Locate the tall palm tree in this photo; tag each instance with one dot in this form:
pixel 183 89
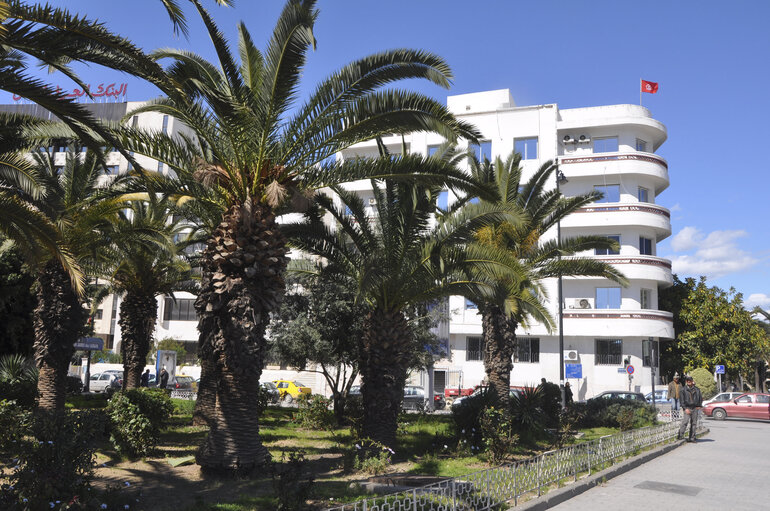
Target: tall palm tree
pixel 399 257
pixel 253 150
pixel 68 207
pixel 517 302
pixel 143 260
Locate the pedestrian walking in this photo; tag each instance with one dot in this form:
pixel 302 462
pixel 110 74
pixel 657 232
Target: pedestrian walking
pixel 674 392
pixel 692 402
pixel 144 380
pixel 163 378
pixel 567 394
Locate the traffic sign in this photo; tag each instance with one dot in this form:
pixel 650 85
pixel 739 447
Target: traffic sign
pixel 574 370
pixel 89 344
pixel 720 370
pixel 630 369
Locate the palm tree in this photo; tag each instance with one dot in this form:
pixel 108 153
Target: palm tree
pixel 398 257
pixel 516 302
pixel 56 216
pixel 141 262
pixel 254 151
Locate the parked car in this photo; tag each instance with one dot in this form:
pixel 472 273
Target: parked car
pixel 291 390
pixel 747 406
pixel 661 396
pixel 414 399
pixel 514 391
pixel 102 382
pixel 182 382
pixel 273 395
pixel 620 394
pixel 723 397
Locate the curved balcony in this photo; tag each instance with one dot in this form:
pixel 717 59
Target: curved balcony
pixel 619 323
pixel 651 166
pixel 643 267
pixel 633 214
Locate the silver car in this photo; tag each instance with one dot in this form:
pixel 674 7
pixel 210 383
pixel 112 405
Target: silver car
pixel 100 382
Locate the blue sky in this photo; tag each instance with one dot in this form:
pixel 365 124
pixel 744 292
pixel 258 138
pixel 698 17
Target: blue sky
pixel 708 57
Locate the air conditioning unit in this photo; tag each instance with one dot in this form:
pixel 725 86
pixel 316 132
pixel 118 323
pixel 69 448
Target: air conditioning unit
pixel 568 140
pixel 571 355
pixel 582 303
pixel 372 201
pixel 584 139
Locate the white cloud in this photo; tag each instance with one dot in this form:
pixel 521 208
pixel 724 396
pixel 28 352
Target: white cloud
pixel 716 253
pixel 758 300
pixel 675 207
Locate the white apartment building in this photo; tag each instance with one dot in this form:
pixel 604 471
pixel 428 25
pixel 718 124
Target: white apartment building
pixel 606 148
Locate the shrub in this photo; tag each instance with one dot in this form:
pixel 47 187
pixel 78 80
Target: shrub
pixel 354 415
pixel 615 413
pixel 84 401
pixel 18 380
pixel 313 412
pixel 705 382
pixel 292 488
pixel 14 421
pixel 550 403
pixel 527 410
pixel 467 419
pixel 136 417
pixel 74 385
pixel 369 456
pixel 497 430
pixel 24 393
pixel 55 460
pixel 183 406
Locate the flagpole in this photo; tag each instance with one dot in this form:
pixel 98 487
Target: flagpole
pixel 640 92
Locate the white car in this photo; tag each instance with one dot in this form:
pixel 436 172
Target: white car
pixel 99 382
pixel 723 397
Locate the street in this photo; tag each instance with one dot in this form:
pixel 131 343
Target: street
pixel 727 469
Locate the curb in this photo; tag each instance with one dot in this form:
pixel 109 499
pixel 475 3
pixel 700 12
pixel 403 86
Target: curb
pixel 556 497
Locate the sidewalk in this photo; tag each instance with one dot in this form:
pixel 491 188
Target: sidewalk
pixel 728 469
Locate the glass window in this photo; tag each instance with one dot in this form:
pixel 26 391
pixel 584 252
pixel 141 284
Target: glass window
pixel 443 200
pixel 609 351
pixel 526 147
pixel 649 349
pixel 183 309
pixel 744 399
pixel 606 145
pixel 641 145
pixel 94 377
pixel 645 298
pixel 111 170
pixel 99 314
pixel 469 305
pixel 58 170
pixel 607 297
pixel 135 121
pixel 165 124
pixel 763 399
pixel 433 149
pixel 483 150
pixel 160 166
pixel 610 193
pixel 645 246
pixel 474 348
pixel 527 350
pixel 643 195
pixel 131 153
pixel 609 251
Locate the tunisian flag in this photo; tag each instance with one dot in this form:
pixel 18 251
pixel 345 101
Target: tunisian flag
pixel 649 87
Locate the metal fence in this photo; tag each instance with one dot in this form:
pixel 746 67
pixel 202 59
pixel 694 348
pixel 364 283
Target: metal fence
pixel 500 487
pixel 184 394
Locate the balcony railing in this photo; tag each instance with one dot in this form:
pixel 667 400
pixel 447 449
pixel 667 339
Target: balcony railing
pixel 615 157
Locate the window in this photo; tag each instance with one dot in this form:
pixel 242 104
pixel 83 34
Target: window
pixel 469 305
pixel 135 121
pixel 763 399
pixel 526 147
pixel 99 314
pixel 609 351
pixel 744 399
pixel 483 150
pixel 610 193
pixel 433 149
pixel 641 145
pixel 609 251
pixel 183 309
pixel 111 170
pixel 645 246
pixel 649 353
pixel 474 348
pixel 643 195
pixel 165 124
pixel 130 153
pixel 606 145
pixel 160 167
pixel 443 200
pixel 527 350
pixel 607 297
pixel 645 298
pixel 58 170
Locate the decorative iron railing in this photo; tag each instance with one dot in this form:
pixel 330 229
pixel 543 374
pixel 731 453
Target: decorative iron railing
pixel 503 486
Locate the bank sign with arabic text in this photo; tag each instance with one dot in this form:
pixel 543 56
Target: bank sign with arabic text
pixel 111 91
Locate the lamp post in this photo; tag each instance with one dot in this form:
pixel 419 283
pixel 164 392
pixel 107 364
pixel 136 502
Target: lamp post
pixel 559 180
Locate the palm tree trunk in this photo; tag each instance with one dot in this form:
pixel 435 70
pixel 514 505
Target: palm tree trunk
pixel 242 283
pixel 385 357
pixel 138 314
pixel 59 321
pixel 499 333
pixel 207 394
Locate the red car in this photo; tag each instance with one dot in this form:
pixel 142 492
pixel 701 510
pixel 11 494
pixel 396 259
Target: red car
pixel 747 406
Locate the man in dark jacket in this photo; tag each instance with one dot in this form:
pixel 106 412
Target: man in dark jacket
pixel 692 402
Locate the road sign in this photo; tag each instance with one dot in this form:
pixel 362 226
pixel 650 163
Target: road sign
pixel 720 370
pixel 630 369
pixel 89 344
pixel 574 370
pixel 621 370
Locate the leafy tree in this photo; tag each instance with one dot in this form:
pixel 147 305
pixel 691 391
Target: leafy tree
pixel 255 153
pixel 671 299
pixel 717 329
pixel 171 344
pixel 17 301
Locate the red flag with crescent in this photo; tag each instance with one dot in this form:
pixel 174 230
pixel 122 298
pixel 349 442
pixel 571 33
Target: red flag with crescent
pixel 649 87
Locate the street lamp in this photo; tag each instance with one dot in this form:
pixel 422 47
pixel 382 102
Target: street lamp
pixel 560 179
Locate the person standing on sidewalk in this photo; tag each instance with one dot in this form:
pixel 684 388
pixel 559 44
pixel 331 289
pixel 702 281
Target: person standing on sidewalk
pixel 692 402
pixel 675 392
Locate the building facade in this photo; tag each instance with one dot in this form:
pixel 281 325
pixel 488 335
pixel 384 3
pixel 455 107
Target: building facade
pixel 607 327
